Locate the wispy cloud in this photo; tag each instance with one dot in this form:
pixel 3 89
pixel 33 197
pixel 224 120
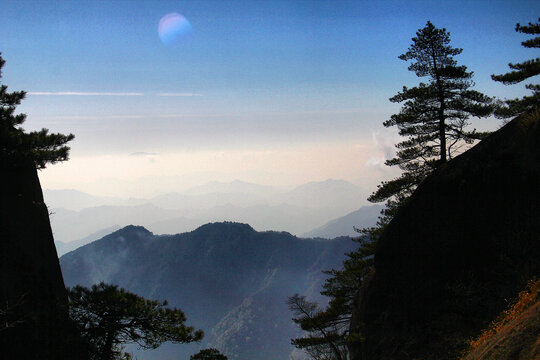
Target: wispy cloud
pixel 83 93
pixel 143 153
pixel 179 94
pixel 77 93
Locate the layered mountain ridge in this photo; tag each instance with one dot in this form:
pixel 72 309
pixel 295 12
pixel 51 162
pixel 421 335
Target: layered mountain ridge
pixel 298 210
pixel 230 280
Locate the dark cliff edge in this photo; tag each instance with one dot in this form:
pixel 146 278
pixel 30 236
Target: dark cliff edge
pixel 466 242
pixel 33 299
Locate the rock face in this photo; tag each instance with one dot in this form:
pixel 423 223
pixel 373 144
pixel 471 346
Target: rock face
pixel 33 299
pixel 468 239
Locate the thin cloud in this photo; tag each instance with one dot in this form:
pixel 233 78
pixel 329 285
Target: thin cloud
pixel 143 153
pixel 77 93
pixel 179 94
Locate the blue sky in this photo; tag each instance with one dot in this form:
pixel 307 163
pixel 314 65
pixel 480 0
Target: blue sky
pixel 252 77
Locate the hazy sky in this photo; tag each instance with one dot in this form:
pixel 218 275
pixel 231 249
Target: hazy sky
pixel 273 92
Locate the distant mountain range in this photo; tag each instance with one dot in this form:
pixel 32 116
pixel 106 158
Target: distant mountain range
pixel 63 248
pixel 236 186
pixel 364 217
pixel 231 281
pixel 297 211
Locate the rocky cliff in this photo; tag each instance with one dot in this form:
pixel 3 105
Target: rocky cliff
pixel 467 240
pixel 33 299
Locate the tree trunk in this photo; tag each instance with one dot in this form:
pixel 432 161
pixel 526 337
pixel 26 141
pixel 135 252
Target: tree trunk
pixel 442 133
pixel 107 353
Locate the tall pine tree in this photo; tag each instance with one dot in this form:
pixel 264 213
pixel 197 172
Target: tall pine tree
pixel 434 120
pixel 522 71
pixel 434 116
pixel 17 146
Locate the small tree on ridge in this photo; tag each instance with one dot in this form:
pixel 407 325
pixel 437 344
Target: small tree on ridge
pixel 434 116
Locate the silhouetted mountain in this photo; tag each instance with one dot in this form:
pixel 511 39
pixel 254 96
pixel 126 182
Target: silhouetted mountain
pixel 293 219
pixel 466 242
pixel 231 280
pixel 364 217
pixel 297 211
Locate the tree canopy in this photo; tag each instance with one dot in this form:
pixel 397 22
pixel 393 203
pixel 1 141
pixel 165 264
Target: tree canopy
pixel 108 317
pixel 522 71
pixel 434 121
pixel 326 330
pixel 208 354
pixel 17 146
pixel 434 116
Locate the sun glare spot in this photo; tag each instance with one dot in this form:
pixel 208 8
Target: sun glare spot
pixel 172 27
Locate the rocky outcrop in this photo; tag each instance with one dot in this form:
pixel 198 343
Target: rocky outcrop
pixel 467 240
pixel 33 300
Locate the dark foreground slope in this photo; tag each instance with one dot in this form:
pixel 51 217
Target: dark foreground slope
pixel 33 300
pixel 468 239
pixel 230 280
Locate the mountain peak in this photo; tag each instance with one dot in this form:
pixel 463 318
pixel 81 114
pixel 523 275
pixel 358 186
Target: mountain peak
pixel 225 227
pixel 139 231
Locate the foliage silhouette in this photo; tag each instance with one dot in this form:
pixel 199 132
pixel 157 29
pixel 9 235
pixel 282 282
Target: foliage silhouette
pixel 17 146
pixel 434 119
pixel 326 338
pixel 208 354
pixel 109 317
pixel 434 116
pixel 522 71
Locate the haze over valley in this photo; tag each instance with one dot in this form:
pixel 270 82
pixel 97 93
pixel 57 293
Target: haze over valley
pixel 231 280
pixel 269 180
pixel 303 210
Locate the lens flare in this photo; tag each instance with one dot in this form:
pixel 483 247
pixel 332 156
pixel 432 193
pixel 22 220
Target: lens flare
pixel 172 27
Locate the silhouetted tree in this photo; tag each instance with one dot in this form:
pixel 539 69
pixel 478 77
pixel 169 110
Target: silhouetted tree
pixel 522 71
pixel 326 331
pixel 109 317
pixel 434 119
pixel 434 116
pixel 208 354
pixel 341 287
pixel 17 146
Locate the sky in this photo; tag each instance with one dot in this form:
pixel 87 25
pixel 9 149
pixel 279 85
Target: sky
pixel 272 92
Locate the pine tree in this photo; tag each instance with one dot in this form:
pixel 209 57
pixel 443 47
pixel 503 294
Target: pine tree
pixel 18 147
pixel 326 331
pixel 208 354
pixel 522 71
pixel 434 117
pixel 109 317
